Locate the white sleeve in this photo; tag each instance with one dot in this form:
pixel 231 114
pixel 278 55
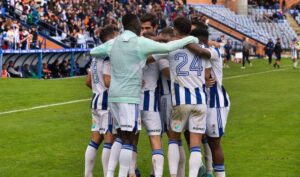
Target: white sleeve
pixel 163 63
pixel 215 53
pixel 207 64
pixel 106 67
pixel 160 56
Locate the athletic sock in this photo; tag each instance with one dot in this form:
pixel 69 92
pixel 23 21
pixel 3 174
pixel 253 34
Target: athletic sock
pixel 195 161
pixel 208 157
pixel 105 157
pixel 90 156
pixel 181 165
pixel 158 162
pixel 125 159
pixel 133 162
pixel 173 157
pixel 219 170
pixel 114 157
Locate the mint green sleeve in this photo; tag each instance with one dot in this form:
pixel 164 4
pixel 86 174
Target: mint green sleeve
pixel 147 47
pixel 102 50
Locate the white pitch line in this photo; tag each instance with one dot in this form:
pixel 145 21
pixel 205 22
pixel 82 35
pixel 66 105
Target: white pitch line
pixel 44 106
pixel 82 100
pixel 252 74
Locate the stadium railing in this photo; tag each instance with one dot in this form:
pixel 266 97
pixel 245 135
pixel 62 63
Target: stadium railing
pixel 37 56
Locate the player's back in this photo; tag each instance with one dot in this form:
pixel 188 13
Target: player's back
pixel 99 100
pixel 187 77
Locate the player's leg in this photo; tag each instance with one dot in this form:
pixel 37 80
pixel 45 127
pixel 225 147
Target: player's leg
pixel 247 58
pixel 128 118
pixel 107 131
pixel 207 155
pixel 153 124
pixel 244 58
pixel 216 122
pixel 270 59
pixel 91 150
pixel 115 154
pixel 182 160
pixel 197 125
pixel 133 165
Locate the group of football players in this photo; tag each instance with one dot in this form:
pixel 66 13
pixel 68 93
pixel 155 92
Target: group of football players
pixel 170 82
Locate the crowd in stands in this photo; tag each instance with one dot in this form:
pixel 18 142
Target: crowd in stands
pixel 54 70
pixel 295 12
pixel 267 4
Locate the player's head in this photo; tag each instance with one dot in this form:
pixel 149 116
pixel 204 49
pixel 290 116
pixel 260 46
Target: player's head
pixel 202 34
pixel 148 23
pixel 270 40
pixel 132 23
pixel 198 24
pixel 149 35
pixel 182 26
pixel 108 32
pixel 166 34
pixel 278 39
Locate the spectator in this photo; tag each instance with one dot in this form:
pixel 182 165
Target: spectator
pixel 46 73
pixel 4 73
pixel 269 50
pixel 54 68
pixel 28 73
pixel 246 52
pixel 13 72
pixel 64 69
pixel 277 51
pixel 228 51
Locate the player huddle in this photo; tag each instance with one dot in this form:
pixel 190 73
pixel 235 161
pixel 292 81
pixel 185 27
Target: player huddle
pixel 170 82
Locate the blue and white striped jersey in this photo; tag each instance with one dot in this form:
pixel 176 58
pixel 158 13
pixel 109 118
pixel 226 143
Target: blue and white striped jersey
pixel 100 92
pixel 150 95
pixel 164 83
pixel 187 76
pixel 217 95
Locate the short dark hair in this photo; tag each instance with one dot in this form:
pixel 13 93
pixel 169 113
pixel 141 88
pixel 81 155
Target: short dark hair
pixel 107 31
pixel 149 18
pixel 167 31
pixel 182 25
pixel 129 21
pixel 199 24
pixel 149 34
pixel 200 33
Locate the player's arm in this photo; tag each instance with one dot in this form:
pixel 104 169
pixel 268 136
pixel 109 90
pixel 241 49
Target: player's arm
pixel 102 50
pixel 106 79
pixel 164 67
pixel 197 50
pixel 214 44
pixel 148 46
pixel 88 80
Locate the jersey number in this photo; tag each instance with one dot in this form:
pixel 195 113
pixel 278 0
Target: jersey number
pixel 196 65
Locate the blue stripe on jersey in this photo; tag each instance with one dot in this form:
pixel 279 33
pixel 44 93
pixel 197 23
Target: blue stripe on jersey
pixel 187 94
pixel 177 94
pixel 93 97
pixel 226 102
pixel 161 87
pixel 156 99
pixel 217 98
pixel 212 94
pixel 96 101
pixel 198 96
pixel 104 101
pixel 146 100
pixel 220 124
pixel 218 51
pixel 169 85
pixel 204 90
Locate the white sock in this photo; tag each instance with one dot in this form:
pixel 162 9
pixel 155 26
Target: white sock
pixel 208 157
pixel 173 157
pixel 181 165
pixel 125 159
pixel 105 157
pixel 90 156
pixel 133 162
pixel 158 162
pixel 219 170
pixel 114 157
pixel 195 161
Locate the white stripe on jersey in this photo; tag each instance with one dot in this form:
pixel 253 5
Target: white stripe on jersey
pixel 182 95
pixel 100 94
pixel 217 95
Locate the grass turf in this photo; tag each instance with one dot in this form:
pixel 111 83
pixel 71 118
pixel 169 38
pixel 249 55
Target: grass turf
pixel 261 135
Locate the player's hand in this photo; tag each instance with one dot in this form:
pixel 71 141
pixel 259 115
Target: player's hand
pixel 210 82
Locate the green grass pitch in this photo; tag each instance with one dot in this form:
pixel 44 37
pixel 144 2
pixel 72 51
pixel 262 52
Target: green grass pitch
pixel 261 140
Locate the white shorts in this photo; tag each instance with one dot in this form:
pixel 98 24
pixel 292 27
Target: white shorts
pixel 191 116
pixel 152 122
pixel 127 116
pixel 216 121
pixel 102 121
pixel 165 110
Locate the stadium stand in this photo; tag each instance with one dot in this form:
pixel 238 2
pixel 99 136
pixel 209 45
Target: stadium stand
pixel 261 31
